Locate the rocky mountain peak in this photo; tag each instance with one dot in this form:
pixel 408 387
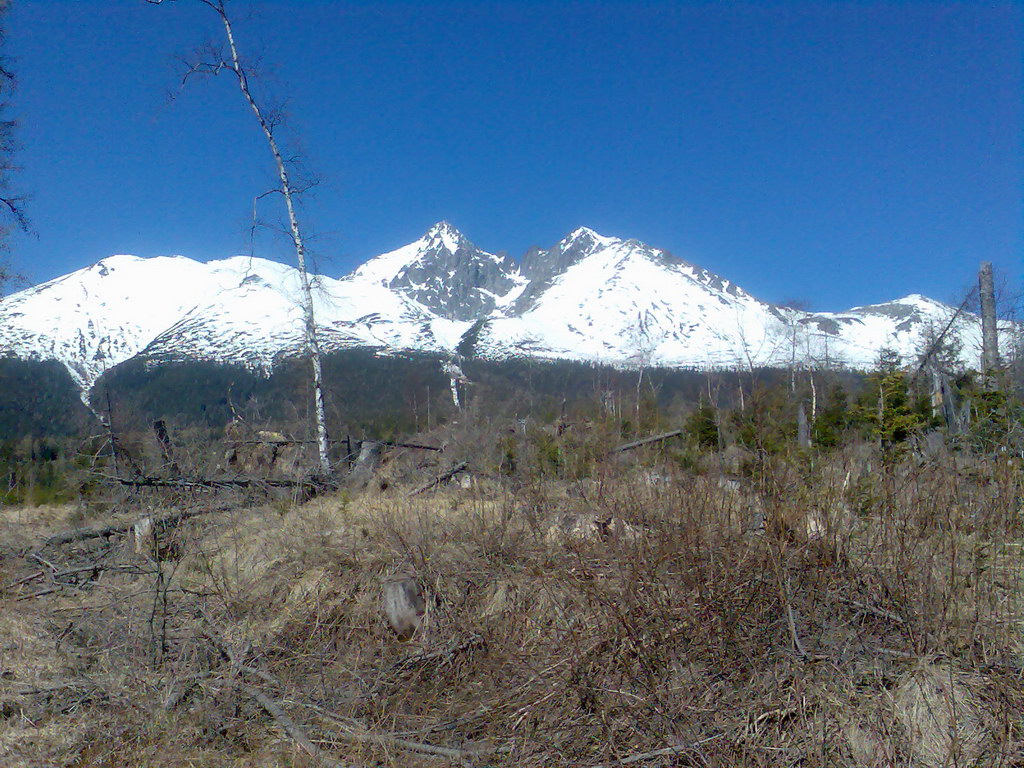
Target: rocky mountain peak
pixel 446 273
pixel 444 235
pixel 541 266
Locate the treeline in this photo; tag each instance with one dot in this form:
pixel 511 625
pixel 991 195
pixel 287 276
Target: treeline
pixel 890 406
pixel 48 436
pixel 43 423
pixel 387 395
pixel 364 393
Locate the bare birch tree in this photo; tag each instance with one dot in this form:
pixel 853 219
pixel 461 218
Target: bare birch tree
pixel 214 62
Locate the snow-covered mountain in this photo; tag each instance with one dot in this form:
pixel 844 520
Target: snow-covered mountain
pixel 239 310
pixel 588 297
pixel 907 325
pixel 260 319
pixel 611 300
pixel 447 274
pixel 104 314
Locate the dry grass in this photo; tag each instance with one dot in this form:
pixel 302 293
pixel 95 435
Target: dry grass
pixel 814 616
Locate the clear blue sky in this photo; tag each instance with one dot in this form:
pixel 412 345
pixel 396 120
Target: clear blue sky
pixel 839 153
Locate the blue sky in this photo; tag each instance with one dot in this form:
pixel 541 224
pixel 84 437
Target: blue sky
pixel 840 153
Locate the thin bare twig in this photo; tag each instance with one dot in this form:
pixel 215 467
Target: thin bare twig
pixel 874 611
pixel 295 733
pixel 641 757
pixel 797 644
pixel 40 593
pixel 22 580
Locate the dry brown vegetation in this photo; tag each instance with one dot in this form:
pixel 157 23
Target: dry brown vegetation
pixel 812 610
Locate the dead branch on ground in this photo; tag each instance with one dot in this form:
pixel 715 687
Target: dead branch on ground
pixel 440 479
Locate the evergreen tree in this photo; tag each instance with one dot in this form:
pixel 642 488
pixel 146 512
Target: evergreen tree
pixel 833 419
pixel 702 426
pixel 996 414
pixel 886 407
pixel 768 423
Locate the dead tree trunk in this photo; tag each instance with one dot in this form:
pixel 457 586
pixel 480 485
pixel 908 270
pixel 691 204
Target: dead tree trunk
pixel 164 440
pixel 989 336
pixel 803 428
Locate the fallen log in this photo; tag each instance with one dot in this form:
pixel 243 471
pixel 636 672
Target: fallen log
pixel 211 483
pixel 388 443
pixel 83 534
pixel 417 446
pixel 646 441
pixel 442 478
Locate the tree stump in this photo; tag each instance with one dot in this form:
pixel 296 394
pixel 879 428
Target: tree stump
pixel 366 463
pixel 404 605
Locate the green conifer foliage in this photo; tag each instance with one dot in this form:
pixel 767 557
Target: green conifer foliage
pixel 833 419
pixel 702 427
pixel 886 407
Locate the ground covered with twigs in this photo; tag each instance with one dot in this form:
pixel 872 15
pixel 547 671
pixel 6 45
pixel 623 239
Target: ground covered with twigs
pixel 827 610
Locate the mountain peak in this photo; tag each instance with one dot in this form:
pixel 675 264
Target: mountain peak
pixel 584 239
pixel 445 234
pixel 446 273
pixel 586 233
pixel 443 226
pixel 542 265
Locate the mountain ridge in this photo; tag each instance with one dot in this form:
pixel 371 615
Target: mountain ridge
pixel 589 297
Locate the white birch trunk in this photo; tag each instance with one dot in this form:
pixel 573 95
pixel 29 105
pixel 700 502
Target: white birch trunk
pixel 455 393
pixel 814 396
pixel 312 341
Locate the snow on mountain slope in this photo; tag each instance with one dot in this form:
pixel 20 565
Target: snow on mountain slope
pixel 592 297
pixel 620 301
pixel 447 274
pixel 261 320
pixel 906 325
pixel 104 314
pixel 589 297
pixel 240 309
